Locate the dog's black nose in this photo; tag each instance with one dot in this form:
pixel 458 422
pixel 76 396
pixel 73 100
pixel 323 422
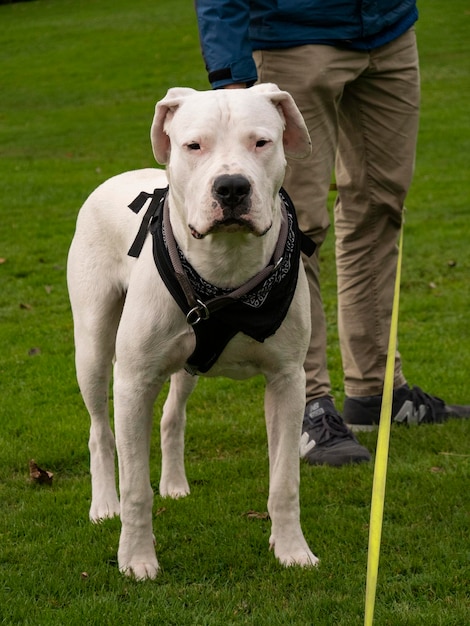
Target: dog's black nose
pixel 232 191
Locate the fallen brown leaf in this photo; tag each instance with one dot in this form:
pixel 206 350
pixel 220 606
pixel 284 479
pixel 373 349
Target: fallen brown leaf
pixel 38 475
pixel 257 515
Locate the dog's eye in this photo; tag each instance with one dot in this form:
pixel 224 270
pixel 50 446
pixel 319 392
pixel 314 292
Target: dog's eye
pixel 262 142
pixel 194 146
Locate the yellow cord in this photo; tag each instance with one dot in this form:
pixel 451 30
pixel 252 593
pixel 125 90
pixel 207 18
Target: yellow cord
pixel 381 455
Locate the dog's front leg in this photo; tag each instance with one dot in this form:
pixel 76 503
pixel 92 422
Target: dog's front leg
pixel 133 400
pixel 284 406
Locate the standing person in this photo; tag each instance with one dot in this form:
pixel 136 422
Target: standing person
pixel 353 70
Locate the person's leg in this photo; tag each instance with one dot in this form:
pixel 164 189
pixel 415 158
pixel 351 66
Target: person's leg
pixel 301 71
pixel 378 121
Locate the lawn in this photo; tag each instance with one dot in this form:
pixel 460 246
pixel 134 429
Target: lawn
pixel 78 84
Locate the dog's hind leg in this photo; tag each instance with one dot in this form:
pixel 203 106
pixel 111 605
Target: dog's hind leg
pixel 96 311
pixel 173 480
pixel 284 407
pixel 94 356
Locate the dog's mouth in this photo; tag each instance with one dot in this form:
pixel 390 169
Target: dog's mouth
pixel 231 225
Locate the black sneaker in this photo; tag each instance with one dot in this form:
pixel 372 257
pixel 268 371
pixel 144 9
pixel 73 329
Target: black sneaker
pixel 325 438
pixel 410 406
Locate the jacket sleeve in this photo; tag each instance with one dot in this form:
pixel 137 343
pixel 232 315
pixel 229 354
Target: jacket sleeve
pixel 223 31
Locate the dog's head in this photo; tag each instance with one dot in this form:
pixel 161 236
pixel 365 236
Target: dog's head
pixel 224 152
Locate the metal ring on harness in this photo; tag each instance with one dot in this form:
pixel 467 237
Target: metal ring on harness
pixel 198 313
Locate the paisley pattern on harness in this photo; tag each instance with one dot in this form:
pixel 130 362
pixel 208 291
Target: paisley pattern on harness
pixel 255 298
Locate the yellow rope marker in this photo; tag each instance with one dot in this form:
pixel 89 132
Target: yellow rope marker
pixel 381 455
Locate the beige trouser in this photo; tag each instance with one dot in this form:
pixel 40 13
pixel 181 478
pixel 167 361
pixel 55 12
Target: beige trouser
pixel 361 109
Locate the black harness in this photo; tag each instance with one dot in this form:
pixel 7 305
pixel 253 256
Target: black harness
pixel 256 308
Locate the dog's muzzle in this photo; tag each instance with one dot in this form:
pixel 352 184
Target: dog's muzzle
pixel 233 193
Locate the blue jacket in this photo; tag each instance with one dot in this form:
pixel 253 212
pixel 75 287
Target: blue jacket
pixel 231 29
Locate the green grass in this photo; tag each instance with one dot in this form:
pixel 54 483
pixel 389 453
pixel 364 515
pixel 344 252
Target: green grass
pixel 78 83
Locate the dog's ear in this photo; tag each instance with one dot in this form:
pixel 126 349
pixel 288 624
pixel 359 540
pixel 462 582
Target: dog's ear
pixel 296 138
pixel 164 111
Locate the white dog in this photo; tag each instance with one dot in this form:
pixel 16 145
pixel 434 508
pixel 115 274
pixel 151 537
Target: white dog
pixel 225 227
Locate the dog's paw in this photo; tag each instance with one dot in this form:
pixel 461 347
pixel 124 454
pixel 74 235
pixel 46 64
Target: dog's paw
pixel 136 554
pixel 173 489
pixel 144 570
pixel 304 558
pixel 296 553
pixel 106 509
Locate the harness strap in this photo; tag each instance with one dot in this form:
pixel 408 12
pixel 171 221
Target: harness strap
pixel 175 258
pixel 135 206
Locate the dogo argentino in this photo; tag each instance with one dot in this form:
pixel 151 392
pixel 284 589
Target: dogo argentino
pixel 231 245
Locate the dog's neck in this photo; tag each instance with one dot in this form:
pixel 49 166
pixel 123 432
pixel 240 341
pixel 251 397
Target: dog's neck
pixel 227 260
